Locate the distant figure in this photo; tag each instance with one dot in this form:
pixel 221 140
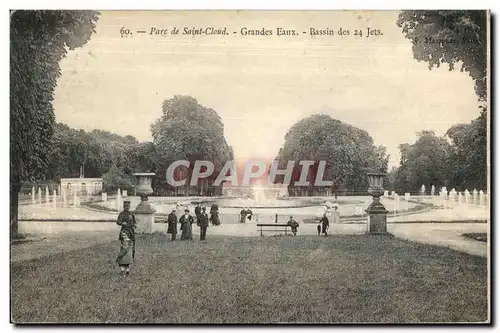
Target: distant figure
pixel 245 214
pixel 203 223
pixel 172 224
pixel 125 256
pixel 318 227
pixel 249 214
pixel 197 212
pixel 126 220
pixel 214 215
pixel 276 218
pixel 325 224
pixel 186 226
pixel 336 215
pixel 294 225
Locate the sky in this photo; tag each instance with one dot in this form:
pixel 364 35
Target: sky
pixel 260 85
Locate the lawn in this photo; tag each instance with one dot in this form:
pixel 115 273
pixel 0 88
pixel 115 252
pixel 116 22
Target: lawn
pixel 346 279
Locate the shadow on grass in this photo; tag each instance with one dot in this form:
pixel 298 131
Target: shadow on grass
pixel 254 280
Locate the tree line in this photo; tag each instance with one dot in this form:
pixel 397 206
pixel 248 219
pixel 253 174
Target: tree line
pixel 455 160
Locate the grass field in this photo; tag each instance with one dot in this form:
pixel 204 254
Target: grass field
pixel 254 280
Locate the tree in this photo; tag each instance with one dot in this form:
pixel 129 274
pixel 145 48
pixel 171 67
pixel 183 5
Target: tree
pixel 425 162
pixel 190 131
pixel 38 41
pixel 469 153
pixel 348 151
pixel 450 36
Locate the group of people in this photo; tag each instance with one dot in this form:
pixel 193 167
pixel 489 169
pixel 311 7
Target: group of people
pixel 187 220
pixel 126 220
pixel 245 214
pixel 324 223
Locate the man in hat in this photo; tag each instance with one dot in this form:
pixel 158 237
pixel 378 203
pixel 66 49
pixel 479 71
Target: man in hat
pixel 172 224
pixel 203 223
pixel 186 226
pixel 126 220
pixel 325 224
pixel 197 212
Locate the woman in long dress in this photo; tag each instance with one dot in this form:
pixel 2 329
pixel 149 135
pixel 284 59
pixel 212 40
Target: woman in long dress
pixel 186 226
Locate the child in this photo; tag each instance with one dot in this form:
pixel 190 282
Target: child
pixel 318 227
pixel 125 258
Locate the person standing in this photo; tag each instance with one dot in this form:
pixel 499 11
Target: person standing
pixel 214 214
pixel 125 256
pixel 249 214
pixel 172 224
pixel 126 220
pixel 186 226
pixel 336 215
pixel 243 215
pixel 203 224
pixel 325 224
pixel 197 212
pixel 293 225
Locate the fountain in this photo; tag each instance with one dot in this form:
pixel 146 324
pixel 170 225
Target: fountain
pixel 118 201
pixel 39 195
pixel 33 198
pixel 47 198
pixel 377 214
pixel 54 199
pixel 64 197
pixel 422 190
pixel 467 196
pixel 433 190
pixel 144 212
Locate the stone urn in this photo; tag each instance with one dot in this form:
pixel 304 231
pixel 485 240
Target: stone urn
pixel 377 214
pixel 144 212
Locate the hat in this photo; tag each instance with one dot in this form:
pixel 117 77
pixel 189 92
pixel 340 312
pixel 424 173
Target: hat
pixel 203 208
pixel 186 210
pixel 127 202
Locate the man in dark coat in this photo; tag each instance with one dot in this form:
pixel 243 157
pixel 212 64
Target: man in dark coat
pixel 126 220
pixel 172 224
pixel 197 212
pixel 325 224
pixel 203 224
pixel 214 214
pixel 293 225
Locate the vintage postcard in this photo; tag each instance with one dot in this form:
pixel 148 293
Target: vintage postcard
pixel 250 167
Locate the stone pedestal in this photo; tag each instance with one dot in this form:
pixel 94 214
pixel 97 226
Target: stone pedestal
pixel 145 217
pixel 377 217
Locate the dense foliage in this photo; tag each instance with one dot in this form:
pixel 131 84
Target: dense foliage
pixel 451 37
pixel 457 160
pixel 38 41
pixel 349 153
pixel 189 131
pixel 460 158
pixel 101 153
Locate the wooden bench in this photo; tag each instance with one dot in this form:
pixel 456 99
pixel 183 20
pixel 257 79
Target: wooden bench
pixel 275 227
